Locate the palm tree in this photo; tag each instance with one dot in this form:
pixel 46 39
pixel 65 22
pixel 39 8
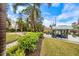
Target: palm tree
pixel 40 27
pixel 20 24
pixel 32 11
pixel 2 28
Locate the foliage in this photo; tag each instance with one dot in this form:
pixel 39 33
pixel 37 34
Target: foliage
pixel 47 31
pixel 20 24
pixel 15 51
pixel 40 27
pixel 12 30
pixel 33 12
pixel 19 52
pixel 11 50
pixel 29 41
pixel 26 42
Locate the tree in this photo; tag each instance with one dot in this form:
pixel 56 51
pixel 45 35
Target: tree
pixel 20 24
pixel 32 11
pixel 40 27
pixel 2 28
pixel 34 14
pixel 8 23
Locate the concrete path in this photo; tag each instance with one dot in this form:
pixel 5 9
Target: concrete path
pixel 11 44
pixel 18 33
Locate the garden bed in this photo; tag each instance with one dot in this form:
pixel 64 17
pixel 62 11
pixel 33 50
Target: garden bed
pixel 29 44
pixel 38 50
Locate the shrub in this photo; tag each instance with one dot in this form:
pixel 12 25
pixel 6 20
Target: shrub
pixel 12 30
pixel 11 50
pixel 19 52
pixel 29 41
pixel 15 51
pixel 40 35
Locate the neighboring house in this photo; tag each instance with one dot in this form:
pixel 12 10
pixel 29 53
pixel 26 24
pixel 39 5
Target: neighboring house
pixel 63 28
pixel 75 23
pixel 76 27
pixel 61 31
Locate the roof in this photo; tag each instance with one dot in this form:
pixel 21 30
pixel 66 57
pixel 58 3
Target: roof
pixel 63 27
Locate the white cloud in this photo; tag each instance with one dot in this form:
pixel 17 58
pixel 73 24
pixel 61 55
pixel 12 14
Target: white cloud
pixel 69 11
pixel 55 4
pixel 65 23
pixel 70 14
pixel 47 22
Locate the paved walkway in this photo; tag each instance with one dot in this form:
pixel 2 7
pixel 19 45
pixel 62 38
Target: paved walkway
pixel 18 33
pixel 11 44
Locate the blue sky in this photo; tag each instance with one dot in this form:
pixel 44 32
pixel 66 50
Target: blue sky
pixel 64 13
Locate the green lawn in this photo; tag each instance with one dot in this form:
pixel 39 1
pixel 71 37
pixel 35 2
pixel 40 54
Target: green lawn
pixel 11 37
pixel 51 47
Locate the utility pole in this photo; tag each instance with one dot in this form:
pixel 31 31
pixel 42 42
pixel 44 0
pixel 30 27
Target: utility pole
pixel 55 21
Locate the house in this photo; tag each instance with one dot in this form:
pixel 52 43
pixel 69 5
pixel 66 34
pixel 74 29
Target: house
pixel 76 27
pixel 61 30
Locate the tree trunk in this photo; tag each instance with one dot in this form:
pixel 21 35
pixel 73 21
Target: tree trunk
pixel 2 29
pixel 21 28
pixel 35 18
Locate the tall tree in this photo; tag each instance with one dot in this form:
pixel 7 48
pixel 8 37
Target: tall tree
pixel 32 11
pixel 20 24
pixel 2 28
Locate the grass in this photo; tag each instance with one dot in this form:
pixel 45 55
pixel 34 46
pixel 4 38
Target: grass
pixel 51 47
pixel 11 37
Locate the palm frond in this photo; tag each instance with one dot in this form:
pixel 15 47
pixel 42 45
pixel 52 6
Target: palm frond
pixel 27 10
pixel 15 5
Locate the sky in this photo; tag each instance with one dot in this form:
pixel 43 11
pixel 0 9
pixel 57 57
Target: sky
pixel 63 13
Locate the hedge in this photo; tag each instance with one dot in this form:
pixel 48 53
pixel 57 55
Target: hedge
pixel 26 42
